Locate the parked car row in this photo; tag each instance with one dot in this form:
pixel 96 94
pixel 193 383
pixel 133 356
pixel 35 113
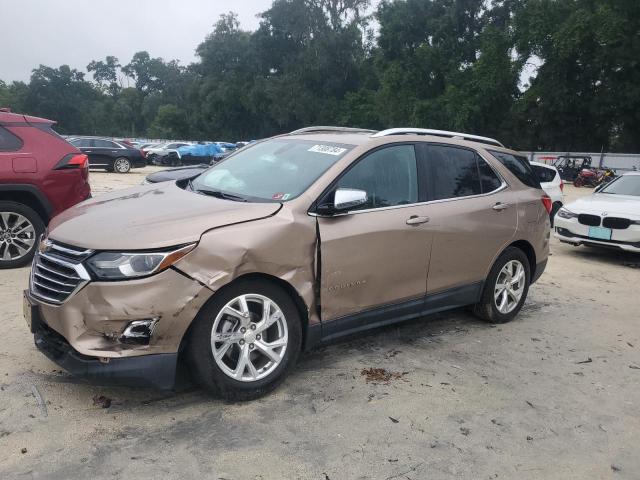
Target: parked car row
pixel 121 156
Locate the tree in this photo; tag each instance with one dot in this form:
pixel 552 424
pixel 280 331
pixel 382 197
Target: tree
pixel 450 64
pixel 106 74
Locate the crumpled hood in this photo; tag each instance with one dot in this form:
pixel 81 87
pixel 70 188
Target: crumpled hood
pixel 598 203
pixel 150 216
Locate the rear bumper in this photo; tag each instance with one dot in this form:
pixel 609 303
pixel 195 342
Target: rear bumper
pixel 157 371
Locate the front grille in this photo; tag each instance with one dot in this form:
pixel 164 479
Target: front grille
pixel 591 220
pixel 616 222
pixel 57 272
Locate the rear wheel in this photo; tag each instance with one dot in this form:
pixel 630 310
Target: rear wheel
pixel 121 165
pixel 20 228
pixel 506 287
pixel 245 340
pixel 578 182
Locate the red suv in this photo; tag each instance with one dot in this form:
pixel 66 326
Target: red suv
pixel 41 174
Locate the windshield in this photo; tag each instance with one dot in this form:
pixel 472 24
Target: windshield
pixel 274 170
pixel 624 185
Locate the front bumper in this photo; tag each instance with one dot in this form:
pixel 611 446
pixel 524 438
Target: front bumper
pixel 157 371
pixel 93 319
pixel 575 233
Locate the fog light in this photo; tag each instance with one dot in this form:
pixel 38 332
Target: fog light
pixel 139 331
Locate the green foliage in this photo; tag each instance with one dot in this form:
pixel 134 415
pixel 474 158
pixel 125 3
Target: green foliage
pixel 450 64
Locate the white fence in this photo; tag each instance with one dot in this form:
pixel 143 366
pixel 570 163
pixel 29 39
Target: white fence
pixel 619 161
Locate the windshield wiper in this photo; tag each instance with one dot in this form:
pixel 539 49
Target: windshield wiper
pixel 219 194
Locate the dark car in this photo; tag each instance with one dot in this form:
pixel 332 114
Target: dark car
pixel 173 174
pixel 41 175
pixel 111 155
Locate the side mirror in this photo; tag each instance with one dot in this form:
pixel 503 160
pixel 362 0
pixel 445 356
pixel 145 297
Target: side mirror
pixel 346 198
pixel 343 200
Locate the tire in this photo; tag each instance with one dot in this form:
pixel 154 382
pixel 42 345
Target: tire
pixel 122 165
pixel 487 309
pixel 221 377
pixel 175 162
pixel 554 209
pixel 21 218
pixel 578 182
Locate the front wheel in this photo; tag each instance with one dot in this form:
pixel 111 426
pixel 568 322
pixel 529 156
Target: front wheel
pixel 505 288
pixel 245 340
pixel 122 165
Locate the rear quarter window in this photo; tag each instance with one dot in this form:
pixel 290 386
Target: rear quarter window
pixel 519 166
pixel 9 142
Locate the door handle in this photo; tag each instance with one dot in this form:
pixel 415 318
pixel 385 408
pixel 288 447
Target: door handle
pixel 416 220
pixel 500 206
pixel 88 151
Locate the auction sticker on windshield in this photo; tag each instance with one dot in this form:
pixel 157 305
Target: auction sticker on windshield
pixel 328 149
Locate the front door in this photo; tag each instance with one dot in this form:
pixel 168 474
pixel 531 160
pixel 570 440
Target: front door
pixel 377 254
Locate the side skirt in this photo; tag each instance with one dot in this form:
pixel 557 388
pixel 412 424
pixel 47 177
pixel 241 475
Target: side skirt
pixel 327 332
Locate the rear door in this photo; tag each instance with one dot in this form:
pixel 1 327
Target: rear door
pixel 106 151
pixel 473 216
pixel 377 254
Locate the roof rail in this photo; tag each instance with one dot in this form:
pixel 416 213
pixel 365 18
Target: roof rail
pixel 437 133
pixel 330 129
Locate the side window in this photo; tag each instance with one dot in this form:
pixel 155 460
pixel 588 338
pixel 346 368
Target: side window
pixel 544 174
pixel 8 141
pixel 519 166
pixel 81 143
pixel 452 172
pixel 489 179
pixel 389 176
pixel 103 144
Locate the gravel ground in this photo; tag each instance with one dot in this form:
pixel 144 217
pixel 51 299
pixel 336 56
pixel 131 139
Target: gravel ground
pixel 554 394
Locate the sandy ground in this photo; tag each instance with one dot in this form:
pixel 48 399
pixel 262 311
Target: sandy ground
pixel 554 394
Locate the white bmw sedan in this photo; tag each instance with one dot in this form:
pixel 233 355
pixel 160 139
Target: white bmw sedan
pixel 610 217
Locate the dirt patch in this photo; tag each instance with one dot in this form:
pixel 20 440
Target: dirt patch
pixel 381 375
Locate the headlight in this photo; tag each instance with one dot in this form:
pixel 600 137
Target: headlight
pixel 564 213
pixel 120 266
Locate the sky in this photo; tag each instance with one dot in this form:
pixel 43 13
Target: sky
pixel 74 32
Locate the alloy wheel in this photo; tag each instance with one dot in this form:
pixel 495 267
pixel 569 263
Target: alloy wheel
pixel 249 337
pixel 17 236
pixel 122 165
pixel 509 286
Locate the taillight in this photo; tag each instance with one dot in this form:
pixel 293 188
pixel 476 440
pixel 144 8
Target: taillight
pixel 143 153
pixel 546 201
pixel 73 160
pixel 561 186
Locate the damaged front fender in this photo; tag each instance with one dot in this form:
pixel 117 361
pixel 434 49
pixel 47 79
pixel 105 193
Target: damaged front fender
pixel 282 246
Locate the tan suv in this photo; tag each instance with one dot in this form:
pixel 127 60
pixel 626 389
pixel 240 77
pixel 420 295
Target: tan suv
pixel 290 242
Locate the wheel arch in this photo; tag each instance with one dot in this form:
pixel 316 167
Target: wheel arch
pixel 30 196
pixel 299 303
pixel 529 251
